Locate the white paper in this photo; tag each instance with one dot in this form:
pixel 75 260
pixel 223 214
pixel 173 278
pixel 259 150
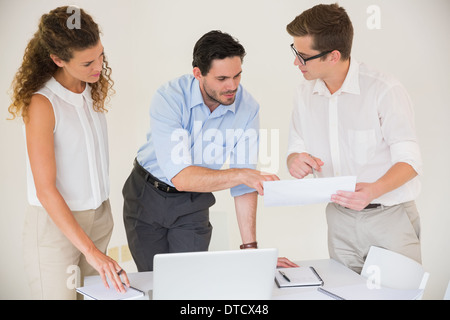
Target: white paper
pixel 362 292
pixel 305 191
pixel 98 291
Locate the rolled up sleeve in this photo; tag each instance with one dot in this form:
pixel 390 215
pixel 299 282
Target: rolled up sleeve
pixel 398 126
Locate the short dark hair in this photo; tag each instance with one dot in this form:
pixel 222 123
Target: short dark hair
pixel 329 26
pixel 215 45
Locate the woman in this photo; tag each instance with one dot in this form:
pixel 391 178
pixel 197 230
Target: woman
pixel 60 91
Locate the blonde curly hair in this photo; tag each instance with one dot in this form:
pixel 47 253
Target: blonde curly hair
pixel 55 37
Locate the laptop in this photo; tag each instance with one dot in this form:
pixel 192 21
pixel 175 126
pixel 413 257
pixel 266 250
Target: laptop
pixel 215 275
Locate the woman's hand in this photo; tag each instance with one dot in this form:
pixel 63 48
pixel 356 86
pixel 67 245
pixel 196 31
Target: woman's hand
pixel 108 268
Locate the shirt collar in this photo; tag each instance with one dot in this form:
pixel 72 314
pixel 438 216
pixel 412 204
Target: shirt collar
pixel 75 99
pixel 350 85
pixel 196 94
pixel 197 100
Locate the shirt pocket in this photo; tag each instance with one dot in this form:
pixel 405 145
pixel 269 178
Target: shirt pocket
pixel 362 145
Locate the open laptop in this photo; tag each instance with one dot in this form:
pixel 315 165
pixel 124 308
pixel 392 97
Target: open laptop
pixel 215 275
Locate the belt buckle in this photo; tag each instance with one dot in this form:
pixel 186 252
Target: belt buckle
pixel 162 186
pixel 157 186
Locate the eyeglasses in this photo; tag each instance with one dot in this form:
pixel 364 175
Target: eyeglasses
pixel 303 60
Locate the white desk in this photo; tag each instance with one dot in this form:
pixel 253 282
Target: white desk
pixel 343 282
pixel 337 279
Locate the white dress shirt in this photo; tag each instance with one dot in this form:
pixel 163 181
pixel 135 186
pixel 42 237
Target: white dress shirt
pixel 362 129
pixel 81 149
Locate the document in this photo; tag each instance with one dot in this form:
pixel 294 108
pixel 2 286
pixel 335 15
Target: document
pixel 305 191
pixel 303 276
pixel 98 291
pixel 362 292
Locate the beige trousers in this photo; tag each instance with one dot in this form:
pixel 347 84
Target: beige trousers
pixel 351 233
pixel 53 265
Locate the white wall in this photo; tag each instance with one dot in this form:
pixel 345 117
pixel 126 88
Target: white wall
pixel 150 42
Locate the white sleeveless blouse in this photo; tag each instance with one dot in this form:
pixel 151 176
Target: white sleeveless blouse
pixel 81 149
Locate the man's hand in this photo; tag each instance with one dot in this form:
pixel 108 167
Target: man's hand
pixel 255 179
pixel 286 263
pixel 302 164
pixel 357 200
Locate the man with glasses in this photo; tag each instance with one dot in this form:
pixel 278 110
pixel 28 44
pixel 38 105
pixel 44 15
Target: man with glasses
pixel 197 122
pixel 350 119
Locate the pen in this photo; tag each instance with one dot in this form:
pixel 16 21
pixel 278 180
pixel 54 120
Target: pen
pixel 317 275
pixel 312 168
pixel 284 275
pixel 330 294
pixel 134 288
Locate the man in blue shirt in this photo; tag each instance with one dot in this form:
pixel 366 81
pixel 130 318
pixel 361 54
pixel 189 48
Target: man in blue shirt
pixel 197 122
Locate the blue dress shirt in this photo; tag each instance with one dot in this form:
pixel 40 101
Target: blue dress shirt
pixel 183 132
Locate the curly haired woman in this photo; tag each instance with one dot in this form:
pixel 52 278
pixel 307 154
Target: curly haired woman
pixel 60 91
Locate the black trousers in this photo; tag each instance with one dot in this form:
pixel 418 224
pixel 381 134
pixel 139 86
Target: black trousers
pixel 160 222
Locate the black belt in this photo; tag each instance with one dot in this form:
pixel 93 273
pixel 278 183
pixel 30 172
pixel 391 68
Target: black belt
pixel 372 206
pixel 148 177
